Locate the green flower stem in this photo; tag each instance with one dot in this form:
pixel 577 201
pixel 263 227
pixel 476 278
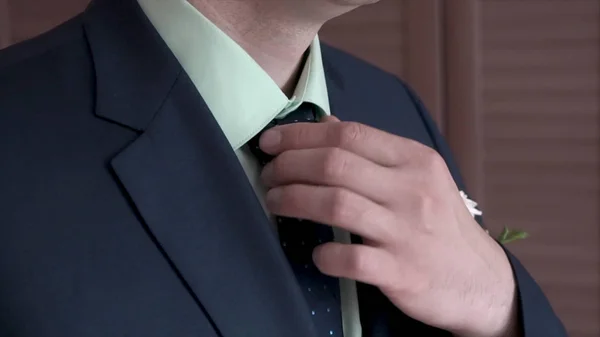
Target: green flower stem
pixel 509 235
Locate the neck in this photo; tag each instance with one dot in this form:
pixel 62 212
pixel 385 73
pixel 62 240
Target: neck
pixel 265 29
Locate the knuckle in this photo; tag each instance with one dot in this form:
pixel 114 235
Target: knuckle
pixel 390 229
pixel 425 201
pixel 290 198
pixel 357 262
pixel 432 161
pixel 426 205
pixel 340 206
pixel 334 164
pixel 299 136
pixel 286 195
pixel 349 133
pixel 280 163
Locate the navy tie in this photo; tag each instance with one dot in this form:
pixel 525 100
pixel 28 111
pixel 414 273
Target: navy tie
pixel 298 239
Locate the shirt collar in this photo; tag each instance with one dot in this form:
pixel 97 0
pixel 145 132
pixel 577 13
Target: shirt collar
pixel 241 95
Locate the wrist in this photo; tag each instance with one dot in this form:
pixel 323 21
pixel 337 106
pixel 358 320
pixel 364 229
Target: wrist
pixel 511 325
pixel 505 317
pixel 500 317
pixel 503 325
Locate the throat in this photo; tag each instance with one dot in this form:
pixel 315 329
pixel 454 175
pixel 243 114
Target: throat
pixel 276 40
pixel 289 87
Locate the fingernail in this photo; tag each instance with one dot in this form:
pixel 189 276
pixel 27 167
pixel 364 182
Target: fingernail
pixel 270 139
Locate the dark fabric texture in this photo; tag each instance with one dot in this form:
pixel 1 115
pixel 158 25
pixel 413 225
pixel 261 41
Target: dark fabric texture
pixel 116 186
pixel 299 238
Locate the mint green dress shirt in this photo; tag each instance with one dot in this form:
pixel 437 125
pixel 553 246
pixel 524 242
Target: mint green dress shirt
pixel 243 98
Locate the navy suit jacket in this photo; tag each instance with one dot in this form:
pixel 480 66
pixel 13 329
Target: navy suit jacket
pixel 116 186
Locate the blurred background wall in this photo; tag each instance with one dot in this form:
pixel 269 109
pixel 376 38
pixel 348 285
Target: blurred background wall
pixel 515 87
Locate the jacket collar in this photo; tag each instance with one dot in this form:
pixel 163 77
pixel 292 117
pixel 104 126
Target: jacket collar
pixel 198 208
pixel 135 70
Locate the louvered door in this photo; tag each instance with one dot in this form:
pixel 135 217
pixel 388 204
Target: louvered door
pixel 541 143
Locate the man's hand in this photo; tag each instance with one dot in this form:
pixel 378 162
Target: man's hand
pixel 421 246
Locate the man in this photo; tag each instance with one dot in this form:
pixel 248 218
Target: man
pixel 133 179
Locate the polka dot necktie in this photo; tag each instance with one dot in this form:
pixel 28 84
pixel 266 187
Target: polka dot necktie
pixel 298 239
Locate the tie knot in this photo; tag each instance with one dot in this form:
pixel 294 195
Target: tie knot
pixel 306 113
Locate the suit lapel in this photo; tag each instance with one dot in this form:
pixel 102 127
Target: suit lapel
pixel 186 183
pixel 194 197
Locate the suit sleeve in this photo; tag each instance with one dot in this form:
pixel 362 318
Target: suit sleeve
pixel 537 318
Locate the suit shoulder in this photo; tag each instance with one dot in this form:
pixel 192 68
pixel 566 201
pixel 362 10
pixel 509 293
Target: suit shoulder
pixel 36 75
pixel 41 45
pixel 350 69
pixel 362 79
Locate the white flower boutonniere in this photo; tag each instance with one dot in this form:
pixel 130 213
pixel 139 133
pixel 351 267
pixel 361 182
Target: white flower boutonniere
pixel 506 236
pixel 471 205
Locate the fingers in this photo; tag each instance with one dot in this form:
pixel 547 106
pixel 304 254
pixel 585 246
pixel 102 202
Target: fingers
pixel 357 262
pixel 336 207
pixel 378 146
pixel 330 167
